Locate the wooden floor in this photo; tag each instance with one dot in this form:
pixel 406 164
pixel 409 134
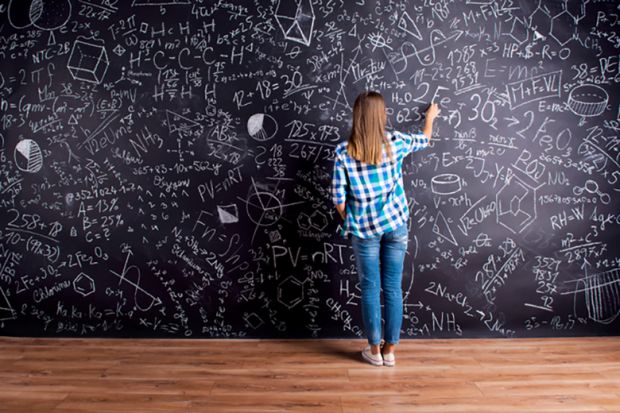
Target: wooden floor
pixel 460 375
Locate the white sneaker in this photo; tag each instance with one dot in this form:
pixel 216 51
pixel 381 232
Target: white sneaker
pixel 389 359
pixel 374 359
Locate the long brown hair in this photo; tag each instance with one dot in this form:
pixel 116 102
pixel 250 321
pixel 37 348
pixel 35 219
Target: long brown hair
pixel 368 131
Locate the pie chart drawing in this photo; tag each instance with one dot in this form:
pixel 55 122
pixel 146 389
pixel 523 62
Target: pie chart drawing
pixel 28 156
pixel 262 127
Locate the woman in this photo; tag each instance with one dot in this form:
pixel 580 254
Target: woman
pixel 367 189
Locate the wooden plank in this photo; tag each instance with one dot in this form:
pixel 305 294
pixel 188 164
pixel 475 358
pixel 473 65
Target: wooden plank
pixel 269 403
pixel 170 375
pixel 503 404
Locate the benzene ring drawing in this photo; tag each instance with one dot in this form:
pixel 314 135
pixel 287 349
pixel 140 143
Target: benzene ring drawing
pixel 516 205
pixel 296 20
pixel 84 284
pixel 290 292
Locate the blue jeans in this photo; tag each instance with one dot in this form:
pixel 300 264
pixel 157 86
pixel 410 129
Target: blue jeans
pixel 380 265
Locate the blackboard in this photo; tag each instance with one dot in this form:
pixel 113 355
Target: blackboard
pixel 165 165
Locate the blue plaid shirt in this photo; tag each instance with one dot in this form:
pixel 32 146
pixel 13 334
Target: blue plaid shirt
pixel 374 194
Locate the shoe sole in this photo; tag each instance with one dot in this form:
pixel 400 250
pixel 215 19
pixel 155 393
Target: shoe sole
pixel 371 361
pixel 389 363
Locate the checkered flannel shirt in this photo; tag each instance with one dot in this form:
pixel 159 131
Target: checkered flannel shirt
pixel 374 194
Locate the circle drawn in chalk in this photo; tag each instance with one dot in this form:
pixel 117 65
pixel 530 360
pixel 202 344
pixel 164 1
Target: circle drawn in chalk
pixel 19 13
pixel 262 127
pixel 43 14
pixel 591 186
pixel 588 100
pixel 259 211
pixel 28 156
pixel 50 14
pixel 445 184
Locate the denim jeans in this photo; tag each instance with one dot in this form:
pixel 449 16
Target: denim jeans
pixel 379 262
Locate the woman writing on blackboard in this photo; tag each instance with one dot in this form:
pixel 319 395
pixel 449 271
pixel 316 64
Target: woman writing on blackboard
pixel 367 190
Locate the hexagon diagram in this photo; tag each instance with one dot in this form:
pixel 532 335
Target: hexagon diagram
pixel 563 27
pixel 83 284
pixel 577 9
pixel 516 205
pixel 518 31
pixel 540 23
pixel 290 292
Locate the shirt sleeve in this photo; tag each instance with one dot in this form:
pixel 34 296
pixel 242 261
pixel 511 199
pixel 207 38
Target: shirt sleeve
pixel 339 181
pixel 413 141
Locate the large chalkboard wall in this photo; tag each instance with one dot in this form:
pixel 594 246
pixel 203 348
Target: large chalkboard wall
pixel 165 165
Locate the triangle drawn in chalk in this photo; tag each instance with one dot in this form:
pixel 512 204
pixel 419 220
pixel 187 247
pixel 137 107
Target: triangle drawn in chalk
pixel 179 123
pixel 353 31
pixel 6 307
pixel 408 25
pixel 441 228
